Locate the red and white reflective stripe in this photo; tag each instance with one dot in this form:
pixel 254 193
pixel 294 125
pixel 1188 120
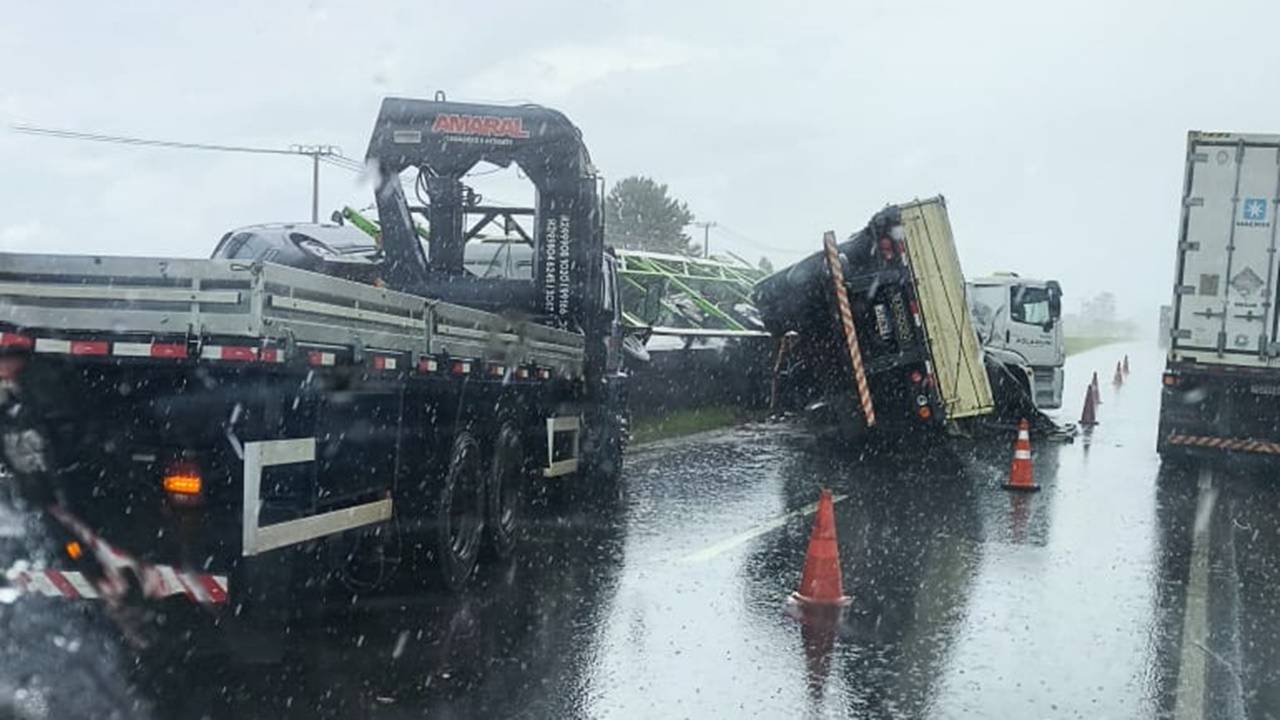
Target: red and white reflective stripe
pixel 460 367
pixel 850 331
pixel 271 355
pixel 72 347
pixel 428 365
pixel 215 587
pixel 915 313
pixel 929 376
pixel 238 353
pixel 166 581
pixel 90 347
pixel 1222 443
pixel 496 370
pixel 158 581
pixel 53 583
pixel 522 373
pixel 320 358
pixel 544 373
pixel 152 350
pixel 162 581
pixel 384 362
pixel 14 340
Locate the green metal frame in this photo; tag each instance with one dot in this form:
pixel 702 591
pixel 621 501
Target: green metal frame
pixel 700 279
pixel 707 283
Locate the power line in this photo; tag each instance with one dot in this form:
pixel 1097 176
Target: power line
pixel 125 140
pixel 344 162
pixel 755 243
pixel 317 153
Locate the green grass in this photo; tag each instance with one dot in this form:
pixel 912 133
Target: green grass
pixel 681 422
pixel 1076 345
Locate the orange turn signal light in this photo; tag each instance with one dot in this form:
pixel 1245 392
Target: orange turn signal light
pixel 183 479
pixel 74 551
pixel 924 412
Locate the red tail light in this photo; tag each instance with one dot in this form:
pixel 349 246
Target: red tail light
pixel 1170 379
pixel 886 248
pixel 924 412
pixel 916 376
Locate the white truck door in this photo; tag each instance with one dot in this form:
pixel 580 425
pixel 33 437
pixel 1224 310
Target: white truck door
pixel 1224 301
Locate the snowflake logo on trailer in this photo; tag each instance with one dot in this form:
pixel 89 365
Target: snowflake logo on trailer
pixel 1255 209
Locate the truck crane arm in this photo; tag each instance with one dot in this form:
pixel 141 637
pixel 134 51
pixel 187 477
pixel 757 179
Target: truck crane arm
pixel 444 140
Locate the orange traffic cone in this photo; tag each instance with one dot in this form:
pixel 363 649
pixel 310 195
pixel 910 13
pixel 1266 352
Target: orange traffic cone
pixel 1089 415
pixel 1097 395
pixel 1020 469
pixel 1118 380
pixel 821 583
pixel 1126 365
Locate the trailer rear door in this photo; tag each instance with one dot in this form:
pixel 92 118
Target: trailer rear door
pixel 1225 285
pixel 953 343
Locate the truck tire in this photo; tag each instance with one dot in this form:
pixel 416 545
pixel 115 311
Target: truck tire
pixel 508 482
pixel 602 475
pixel 460 512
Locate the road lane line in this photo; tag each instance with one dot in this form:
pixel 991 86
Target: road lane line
pixel 1235 700
pixel 1189 700
pixel 730 543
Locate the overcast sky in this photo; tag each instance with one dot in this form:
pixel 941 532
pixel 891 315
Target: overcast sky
pixel 1056 131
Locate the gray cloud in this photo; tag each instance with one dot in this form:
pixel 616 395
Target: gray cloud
pixel 1056 131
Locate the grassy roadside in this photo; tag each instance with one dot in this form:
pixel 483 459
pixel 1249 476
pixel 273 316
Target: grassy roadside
pixel 1076 345
pixel 693 420
pixel 681 422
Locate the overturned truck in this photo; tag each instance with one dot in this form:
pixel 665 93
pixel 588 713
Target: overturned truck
pixel 874 333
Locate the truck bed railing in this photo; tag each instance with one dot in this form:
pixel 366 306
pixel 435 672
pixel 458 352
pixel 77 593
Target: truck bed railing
pixel 222 300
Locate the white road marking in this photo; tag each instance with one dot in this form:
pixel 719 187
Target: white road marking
pixel 730 543
pixel 1189 700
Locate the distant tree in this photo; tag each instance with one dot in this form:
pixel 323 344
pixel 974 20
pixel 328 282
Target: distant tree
pixel 640 215
pixel 1099 309
pixel 765 266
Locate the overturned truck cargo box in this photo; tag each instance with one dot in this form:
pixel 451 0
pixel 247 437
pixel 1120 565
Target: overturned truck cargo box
pixel 953 342
pixel 877 331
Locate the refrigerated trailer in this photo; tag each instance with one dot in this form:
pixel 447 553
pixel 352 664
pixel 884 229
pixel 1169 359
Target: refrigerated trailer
pixel 1221 383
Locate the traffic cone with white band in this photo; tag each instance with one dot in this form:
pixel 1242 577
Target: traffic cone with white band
pixel 1020 475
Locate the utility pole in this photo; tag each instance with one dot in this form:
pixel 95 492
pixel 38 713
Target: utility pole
pixel 706 237
pixel 316 152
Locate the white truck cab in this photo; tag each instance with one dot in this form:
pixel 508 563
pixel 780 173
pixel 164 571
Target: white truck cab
pixel 1022 316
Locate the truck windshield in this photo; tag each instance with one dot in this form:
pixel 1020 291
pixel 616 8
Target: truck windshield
pixel 1030 305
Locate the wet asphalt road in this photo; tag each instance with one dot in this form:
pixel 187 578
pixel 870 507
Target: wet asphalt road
pixel 1122 589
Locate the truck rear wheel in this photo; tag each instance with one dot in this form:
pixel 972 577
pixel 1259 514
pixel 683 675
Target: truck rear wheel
pixel 460 512
pixel 508 479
